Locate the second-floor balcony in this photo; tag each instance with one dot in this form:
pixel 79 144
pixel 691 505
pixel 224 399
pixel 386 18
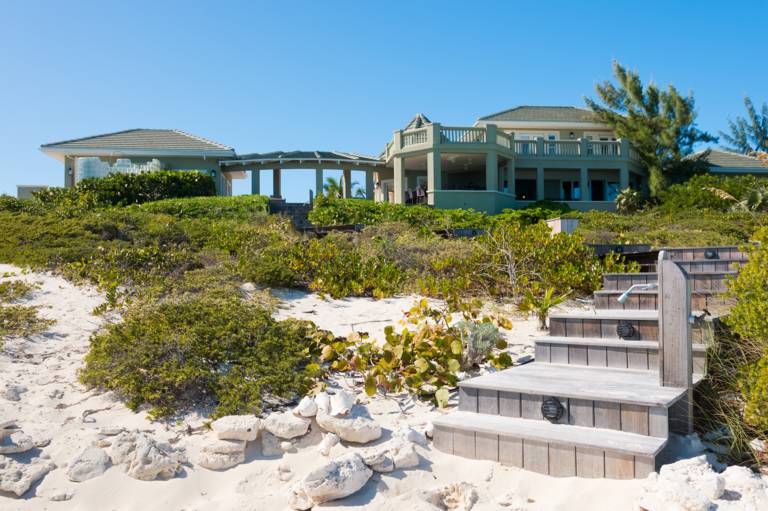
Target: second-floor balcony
pixel 484 138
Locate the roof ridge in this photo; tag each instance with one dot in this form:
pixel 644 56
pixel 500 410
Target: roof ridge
pixel 91 136
pixel 486 117
pixel 202 139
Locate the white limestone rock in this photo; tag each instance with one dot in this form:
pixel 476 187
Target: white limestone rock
pixel 16 478
pixel 744 490
pixel 341 403
pixel 357 427
pixel 306 407
pixel 456 497
pixel 333 480
pixel 219 446
pixel 411 434
pixel 686 485
pixel 90 463
pixel 237 427
pixel 220 460
pixel 287 425
pixel 323 402
pixel 16 442
pixel 396 454
pixel 327 443
pixel 143 457
pixel 61 496
pixel 511 502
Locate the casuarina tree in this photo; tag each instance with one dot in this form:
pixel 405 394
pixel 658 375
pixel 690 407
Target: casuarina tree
pixel 748 134
pixel 661 124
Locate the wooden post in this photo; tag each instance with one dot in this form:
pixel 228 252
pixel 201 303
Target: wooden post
pixel 675 354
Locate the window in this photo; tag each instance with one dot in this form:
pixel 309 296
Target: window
pixel 611 191
pixel 570 190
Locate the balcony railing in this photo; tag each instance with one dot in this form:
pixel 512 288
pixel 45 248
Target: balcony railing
pixel 539 147
pixel 462 135
pixel 414 137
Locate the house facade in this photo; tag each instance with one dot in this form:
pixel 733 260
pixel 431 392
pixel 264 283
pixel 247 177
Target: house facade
pixel 509 160
pixel 505 160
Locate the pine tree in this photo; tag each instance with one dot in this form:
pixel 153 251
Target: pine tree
pixel 661 125
pixel 750 134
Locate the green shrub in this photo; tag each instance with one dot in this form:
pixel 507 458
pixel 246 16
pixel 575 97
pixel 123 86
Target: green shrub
pixel 334 211
pixel 629 201
pixel 20 321
pixel 696 193
pixel 533 213
pixel 244 207
pixel 12 290
pixel 478 341
pixel 222 352
pixel 122 189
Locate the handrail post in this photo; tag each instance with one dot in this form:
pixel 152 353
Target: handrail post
pixel 398 139
pixel 624 148
pixel 675 342
pixel 583 147
pixel 539 146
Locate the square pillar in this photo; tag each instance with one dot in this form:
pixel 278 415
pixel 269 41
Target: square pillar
pixel 255 182
pixel 369 184
pixel 347 183
pixel 623 177
pixel 511 180
pixel 584 183
pixel 399 178
pixel 276 183
pixel 540 183
pixel 69 171
pixel 434 175
pixel 492 170
pixel 318 181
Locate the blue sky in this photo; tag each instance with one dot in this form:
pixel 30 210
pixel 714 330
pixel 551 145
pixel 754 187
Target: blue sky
pixel 289 75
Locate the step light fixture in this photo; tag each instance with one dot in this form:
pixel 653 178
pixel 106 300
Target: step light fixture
pixel 639 287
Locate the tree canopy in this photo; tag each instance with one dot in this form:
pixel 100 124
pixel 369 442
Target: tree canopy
pixel 748 134
pixel 661 124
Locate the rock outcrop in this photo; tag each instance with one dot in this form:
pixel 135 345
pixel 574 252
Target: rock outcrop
pixel 90 463
pixel 334 480
pixel 286 425
pixel 144 458
pixel 237 427
pixel 452 497
pixel 356 427
pixel 395 454
pixel 222 454
pixel 16 478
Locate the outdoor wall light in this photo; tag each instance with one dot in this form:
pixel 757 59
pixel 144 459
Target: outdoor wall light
pixel 711 254
pixel 625 330
pixel 213 173
pixel 571 135
pixel 551 409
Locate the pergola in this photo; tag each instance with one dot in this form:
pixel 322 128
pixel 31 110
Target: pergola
pixel 317 160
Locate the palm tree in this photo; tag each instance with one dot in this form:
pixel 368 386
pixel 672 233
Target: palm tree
pixel 332 188
pixel 754 200
pixel 750 134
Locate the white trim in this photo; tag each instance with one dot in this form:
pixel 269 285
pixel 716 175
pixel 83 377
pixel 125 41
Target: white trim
pixel 301 161
pixel 121 153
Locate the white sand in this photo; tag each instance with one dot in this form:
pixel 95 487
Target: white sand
pixel 48 363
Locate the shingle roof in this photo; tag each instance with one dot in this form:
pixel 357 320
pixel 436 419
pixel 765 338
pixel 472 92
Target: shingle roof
pixel 727 159
pixel 418 121
pixel 543 114
pixel 142 138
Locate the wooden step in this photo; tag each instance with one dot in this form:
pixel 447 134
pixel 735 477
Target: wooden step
pixel 553 449
pixel 704 281
pixel 604 323
pixel 580 382
pixel 615 353
pixel 701 253
pixel 648 300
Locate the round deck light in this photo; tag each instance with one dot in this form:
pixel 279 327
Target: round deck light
pixel 551 409
pixel 711 254
pixel 625 330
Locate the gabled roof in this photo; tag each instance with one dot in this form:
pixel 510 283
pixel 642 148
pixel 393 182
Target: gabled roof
pixel 543 114
pixel 418 121
pixel 141 139
pixel 730 160
pixel 303 157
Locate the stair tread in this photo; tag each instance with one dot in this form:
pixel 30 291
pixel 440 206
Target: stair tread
pixel 655 274
pixel 630 314
pixel 603 341
pixel 580 436
pixel 619 292
pixel 631 386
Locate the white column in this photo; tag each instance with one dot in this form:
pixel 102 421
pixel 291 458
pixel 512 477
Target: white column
pixel 256 182
pixel 369 184
pixel 540 183
pixel 318 181
pixel 434 175
pixel 347 178
pixel 584 183
pixel 399 178
pixel 491 170
pixel 623 177
pixel 276 183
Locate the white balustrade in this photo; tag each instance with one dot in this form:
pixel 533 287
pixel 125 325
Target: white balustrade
pixel 414 137
pixel 462 135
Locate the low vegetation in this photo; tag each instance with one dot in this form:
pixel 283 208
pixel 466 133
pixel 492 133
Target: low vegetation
pixel 18 320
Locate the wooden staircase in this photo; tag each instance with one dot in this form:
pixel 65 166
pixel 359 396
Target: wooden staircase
pixel 607 386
